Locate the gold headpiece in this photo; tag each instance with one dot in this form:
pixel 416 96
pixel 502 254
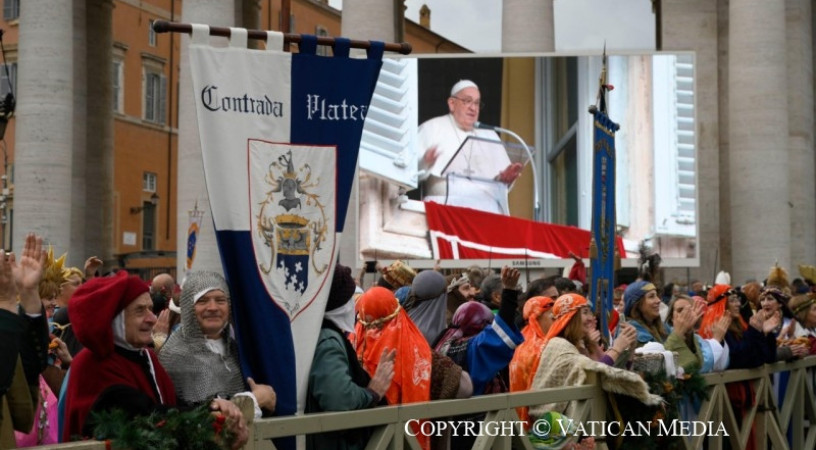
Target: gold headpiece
pixel 53 275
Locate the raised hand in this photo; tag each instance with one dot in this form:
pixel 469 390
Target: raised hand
pixel 381 380
pixel 626 338
pixel 757 320
pixel 720 327
pixel 29 270
pixel 594 335
pixel 787 332
pixel 92 264
pixel 430 156
pixel 163 323
pixel 686 320
pixel 771 323
pixel 510 277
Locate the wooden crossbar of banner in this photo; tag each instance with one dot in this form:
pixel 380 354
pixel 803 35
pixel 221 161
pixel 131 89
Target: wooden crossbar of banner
pixel 163 26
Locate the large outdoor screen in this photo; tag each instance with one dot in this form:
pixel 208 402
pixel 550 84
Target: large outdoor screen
pixel 540 106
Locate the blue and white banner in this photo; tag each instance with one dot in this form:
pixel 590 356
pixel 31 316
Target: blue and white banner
pixel 604 239
pixel 280 134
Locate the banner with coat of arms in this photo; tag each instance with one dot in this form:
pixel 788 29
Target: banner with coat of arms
pixel 280 134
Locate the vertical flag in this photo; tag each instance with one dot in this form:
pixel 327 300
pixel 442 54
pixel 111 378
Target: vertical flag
pixel 280 134
pixel 602 244
pixel 194 218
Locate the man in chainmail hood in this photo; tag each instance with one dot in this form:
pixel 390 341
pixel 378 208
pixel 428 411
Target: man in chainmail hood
pixel 202 356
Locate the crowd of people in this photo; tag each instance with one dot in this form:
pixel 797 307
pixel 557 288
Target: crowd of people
pixel 413 337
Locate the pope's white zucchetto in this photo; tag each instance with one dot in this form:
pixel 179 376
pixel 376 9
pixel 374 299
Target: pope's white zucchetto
pixel 462 84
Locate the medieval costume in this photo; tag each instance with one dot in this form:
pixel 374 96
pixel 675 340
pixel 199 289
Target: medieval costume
pixel 110 373
pixel 202 368
pixel 426 303
pixel 383 324
pixel 567 365
pixel 527 356
pixel 481 345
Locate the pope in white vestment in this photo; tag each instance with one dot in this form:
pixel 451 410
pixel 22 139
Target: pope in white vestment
pixel 481 172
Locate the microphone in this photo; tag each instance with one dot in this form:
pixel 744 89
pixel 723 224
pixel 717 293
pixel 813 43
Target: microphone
pixel 484 126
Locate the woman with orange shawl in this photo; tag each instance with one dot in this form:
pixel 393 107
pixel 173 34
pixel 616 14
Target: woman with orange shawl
pixel 538 315
pixel 749 345
pixel 568 352
pixel 382 324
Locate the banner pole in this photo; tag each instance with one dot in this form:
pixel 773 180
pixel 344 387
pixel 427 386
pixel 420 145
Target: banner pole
pixel 163 26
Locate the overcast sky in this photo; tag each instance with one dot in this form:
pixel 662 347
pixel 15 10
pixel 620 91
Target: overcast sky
pixel 580 25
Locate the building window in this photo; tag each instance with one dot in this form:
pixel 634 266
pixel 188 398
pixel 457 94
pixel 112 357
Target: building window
pixel 149 182
pixel 11 9
pixel 155 97
pixel 151 34
pixel 118 86
pixel 8 79
pixel 148 226
pixel 322 50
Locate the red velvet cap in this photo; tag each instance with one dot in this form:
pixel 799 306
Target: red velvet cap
pixel 96 303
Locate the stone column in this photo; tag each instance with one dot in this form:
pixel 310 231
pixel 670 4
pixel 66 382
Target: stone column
pixel 44 128
pixel 800 133
pixel 99 212
pixel 692 25
pixel 191 187
pixel 76 247
pixel 368 20
pixel 528 26
pixel 758 138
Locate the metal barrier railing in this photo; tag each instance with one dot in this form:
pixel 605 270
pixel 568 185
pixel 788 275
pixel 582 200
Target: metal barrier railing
pixel 770 423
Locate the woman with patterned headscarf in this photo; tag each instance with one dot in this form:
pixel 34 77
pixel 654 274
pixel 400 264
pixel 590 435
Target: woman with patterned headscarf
pixel 538 316
pixel 568 364
pixel 774 302
pixel 383 325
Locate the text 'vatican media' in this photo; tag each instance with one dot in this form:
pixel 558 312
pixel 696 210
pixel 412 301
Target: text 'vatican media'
pixel 565 427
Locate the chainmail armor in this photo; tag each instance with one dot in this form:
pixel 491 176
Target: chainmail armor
pixel 197 372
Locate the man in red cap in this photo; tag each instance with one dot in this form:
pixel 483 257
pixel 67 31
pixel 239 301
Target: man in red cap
pixel 113 319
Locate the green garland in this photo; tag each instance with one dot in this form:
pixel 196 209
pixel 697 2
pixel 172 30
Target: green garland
pixel 196 429
pixel 691 390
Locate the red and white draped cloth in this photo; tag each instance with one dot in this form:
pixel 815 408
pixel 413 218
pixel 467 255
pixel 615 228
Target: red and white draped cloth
pixel 464 233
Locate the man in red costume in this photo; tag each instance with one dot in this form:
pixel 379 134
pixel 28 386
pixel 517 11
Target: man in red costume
pixel 113 319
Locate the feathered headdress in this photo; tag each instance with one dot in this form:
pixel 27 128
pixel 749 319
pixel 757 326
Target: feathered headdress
pixel 778 278
pixel 53 275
